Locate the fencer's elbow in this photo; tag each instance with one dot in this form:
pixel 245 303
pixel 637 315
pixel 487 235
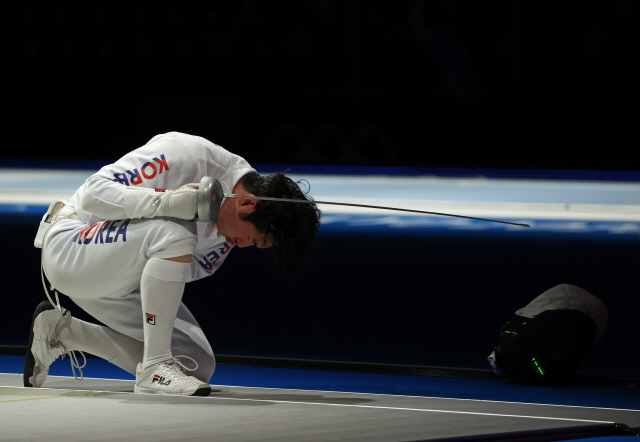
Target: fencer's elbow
pixel 93 205
pixel 98 199
pixel 92 186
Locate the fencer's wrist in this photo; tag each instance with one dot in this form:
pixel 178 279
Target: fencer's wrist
pixel 150 203
pixel 180 203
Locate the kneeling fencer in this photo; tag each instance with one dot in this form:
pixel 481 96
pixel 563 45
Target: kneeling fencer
pixel 123 247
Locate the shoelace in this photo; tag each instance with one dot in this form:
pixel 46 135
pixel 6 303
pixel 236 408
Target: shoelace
pixel 54 344
pixel 72 355
pixel 174 361
pixel 72 358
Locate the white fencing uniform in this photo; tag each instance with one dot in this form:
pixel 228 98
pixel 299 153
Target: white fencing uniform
pixel 97 257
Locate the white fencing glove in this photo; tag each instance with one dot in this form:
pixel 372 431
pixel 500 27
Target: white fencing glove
pixel 140 202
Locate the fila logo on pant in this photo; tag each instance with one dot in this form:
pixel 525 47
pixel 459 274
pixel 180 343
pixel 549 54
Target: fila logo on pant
pixel 151 319
pixel 160 380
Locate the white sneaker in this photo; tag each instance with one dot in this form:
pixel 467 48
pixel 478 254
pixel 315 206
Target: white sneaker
pixel 44 346
pixel 168 377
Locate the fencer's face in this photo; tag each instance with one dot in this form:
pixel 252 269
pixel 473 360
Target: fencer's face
pixel 236 231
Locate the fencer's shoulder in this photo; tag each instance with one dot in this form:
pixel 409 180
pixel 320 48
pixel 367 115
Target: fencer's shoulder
pixel 178 137
pixel 217 160
pixel 197 143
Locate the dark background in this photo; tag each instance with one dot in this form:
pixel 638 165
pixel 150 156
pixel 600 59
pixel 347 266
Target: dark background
pixel 500 84
pixel 507 84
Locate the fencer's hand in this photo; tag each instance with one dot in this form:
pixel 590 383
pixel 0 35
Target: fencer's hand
pixel 180 203
pixel 149 203
pixel 195 186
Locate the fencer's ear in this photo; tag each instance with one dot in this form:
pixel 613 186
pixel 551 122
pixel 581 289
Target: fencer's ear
pixel 247 202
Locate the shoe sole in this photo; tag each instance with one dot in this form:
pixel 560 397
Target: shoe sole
pixel 199 392
pixel 30 361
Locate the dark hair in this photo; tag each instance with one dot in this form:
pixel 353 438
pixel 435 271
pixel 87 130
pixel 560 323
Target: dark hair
pixel 545 349
pixel 290 227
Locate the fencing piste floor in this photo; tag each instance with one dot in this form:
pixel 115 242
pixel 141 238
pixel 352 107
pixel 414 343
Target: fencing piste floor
pixel 95 409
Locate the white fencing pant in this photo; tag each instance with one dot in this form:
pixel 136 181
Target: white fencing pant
pixel 99 267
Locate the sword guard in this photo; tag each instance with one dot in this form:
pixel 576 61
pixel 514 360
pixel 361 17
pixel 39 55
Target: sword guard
pixel 209 199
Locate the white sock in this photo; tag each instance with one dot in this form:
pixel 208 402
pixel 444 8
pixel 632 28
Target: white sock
pixel 120 350
pixel 161 289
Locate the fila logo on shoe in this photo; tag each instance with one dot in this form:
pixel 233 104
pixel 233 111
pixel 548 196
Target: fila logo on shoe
pixel 160 380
